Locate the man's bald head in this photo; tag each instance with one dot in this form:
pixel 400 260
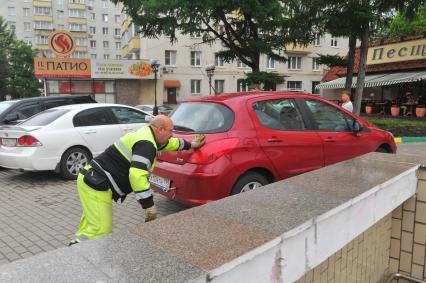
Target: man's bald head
pixel 163 128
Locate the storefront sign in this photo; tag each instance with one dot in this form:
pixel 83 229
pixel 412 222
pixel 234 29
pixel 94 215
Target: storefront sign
pixel 61 68
pixel 117 69
pixel 403 51
pixel 61 43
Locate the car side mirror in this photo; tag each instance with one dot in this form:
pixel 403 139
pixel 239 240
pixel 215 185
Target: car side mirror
pixel 11 118
pixel 148 118
pixel 356 128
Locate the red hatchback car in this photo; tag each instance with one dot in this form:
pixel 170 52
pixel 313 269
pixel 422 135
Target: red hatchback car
pixel 256 138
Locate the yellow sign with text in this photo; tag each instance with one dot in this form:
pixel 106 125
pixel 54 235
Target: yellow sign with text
pixel 61 68
pixel 403 51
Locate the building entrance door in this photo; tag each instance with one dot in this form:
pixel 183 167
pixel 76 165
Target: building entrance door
pixel 171 96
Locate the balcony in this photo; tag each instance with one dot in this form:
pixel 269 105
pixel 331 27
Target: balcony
pixel 81 21
pixel 43 18
pixel 42 3
pixel 131 47
pixel 41 46
pixel 125 24
pixel 291 48
pixel 77 6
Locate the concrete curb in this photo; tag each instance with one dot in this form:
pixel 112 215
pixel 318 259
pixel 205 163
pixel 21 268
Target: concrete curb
pixel 409 139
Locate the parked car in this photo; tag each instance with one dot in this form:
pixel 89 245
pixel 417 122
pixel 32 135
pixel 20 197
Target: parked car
pixel 149 108
pixel 65 138
pixel 15 111
pixel 253 139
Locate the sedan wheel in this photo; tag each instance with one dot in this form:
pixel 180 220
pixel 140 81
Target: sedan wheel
pixel 72 161
pixel 249 181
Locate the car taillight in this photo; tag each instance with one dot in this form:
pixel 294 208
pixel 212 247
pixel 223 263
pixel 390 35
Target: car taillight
pixel 28 141
pixel 213 151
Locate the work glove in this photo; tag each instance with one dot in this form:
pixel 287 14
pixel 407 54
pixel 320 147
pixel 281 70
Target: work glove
pixel 198 141
pixel 150 213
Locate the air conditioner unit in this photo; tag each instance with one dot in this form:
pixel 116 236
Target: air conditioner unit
pixel 90 7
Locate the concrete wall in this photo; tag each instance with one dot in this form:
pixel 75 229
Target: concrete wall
pixel 408 238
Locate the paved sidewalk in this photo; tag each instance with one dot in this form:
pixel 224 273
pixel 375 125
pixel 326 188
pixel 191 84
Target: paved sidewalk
pixel 40 212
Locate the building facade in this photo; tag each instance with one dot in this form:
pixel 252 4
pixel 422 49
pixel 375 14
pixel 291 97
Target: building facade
pixel 95 24
pixel 182 65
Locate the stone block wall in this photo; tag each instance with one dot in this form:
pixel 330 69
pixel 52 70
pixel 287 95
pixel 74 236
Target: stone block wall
pixel 408 242
pixel 365 259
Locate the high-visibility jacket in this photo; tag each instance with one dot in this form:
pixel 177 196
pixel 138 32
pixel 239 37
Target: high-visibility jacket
pixel 130 160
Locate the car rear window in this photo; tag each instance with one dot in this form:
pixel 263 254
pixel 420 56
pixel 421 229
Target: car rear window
pixel 202 117
pixel 5 105
pixel 44 118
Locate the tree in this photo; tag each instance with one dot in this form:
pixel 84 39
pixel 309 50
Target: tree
pixel 6 38
pixel 402 25
pixel 246 28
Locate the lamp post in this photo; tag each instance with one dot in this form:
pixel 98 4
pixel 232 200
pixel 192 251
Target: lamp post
pixel 154 66
pixel 210 71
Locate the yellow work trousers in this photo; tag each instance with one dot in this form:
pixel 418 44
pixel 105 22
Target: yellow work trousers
pixel 96 220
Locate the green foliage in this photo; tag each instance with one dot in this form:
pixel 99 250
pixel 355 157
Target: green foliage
pixel 402 25
pixel 332 61
pixel 268 80
pixel 17 66
pixel 246 28
pixel 397 123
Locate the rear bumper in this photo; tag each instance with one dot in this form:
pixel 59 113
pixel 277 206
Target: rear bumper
pixel 193 184
pixel 27 159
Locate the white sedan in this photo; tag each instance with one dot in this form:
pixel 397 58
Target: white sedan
pixel 64 139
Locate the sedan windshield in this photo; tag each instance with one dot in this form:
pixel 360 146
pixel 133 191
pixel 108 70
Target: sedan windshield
pixel 44 118
pixel 5 105
pixel 202 117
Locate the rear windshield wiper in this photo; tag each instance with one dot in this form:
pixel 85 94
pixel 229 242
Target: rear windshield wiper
pixel 183 128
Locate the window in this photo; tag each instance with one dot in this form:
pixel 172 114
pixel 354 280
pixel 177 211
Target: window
pixel 41 39
pixel 92 30
pixel 104 31
pixel 93 56
pixel 219 86
pixel 315 64
pixel 81 41
pixel 93 44
pixel 60 2
pixel 11 11
pixel 294 63
pixel 317 41
pixel 79 54
pixel 294 85
pixel 45 118
pixel 27 110
pixel 43 25
pixel 218 61
pixel 315 90
pixel 12 25
pixel 118 57
pixel 61 26
pixel 76 1
pixel 117 45
pixel 43 11
pixel 240 64
pixel 117 19
pixel 170 57
pixel 195 87
pixel 92 16
pixel 28 41
pixel 94 117
pixel 106 56
pixel 77 27
pixel 241 86
pixel 27 26
pixel 195 58
pixel 106 44
pixel 26 12
pixel 75 13
pixel 117 32
pixel 104 4
pixel 105 17
pixel 329 118
pixel 279 114
pixel 270 62
pixel 128 116
pixel 334 42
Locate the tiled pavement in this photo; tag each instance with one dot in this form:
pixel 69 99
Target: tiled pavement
pixel 40 212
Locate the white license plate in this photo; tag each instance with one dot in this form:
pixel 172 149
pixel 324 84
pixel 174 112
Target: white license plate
pixel 160 182
pixel 8 142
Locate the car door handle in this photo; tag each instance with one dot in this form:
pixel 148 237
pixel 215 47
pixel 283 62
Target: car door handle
pixel 274 140
pixel 329 140
pixel 90 132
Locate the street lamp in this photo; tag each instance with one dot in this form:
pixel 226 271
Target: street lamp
pixel 154 66
pixel 210 71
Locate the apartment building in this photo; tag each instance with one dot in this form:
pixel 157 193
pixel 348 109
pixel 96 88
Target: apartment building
pixel 182 65
pixel 95 24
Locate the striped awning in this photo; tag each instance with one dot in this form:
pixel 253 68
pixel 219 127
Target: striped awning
pixel 378 80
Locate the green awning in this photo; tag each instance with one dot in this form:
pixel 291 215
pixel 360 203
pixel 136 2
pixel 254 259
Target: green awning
pixel 378 80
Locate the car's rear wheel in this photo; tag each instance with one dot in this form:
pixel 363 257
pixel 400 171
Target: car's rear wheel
pixel 249 181
pixel 382 149
pixel 72 161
